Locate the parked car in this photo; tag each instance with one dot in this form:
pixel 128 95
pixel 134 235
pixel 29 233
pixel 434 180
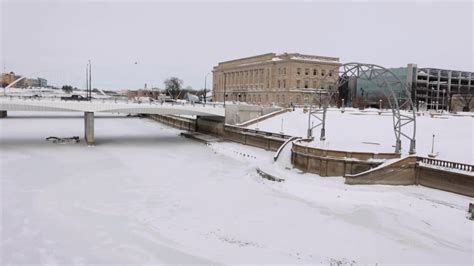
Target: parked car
pixel 74 98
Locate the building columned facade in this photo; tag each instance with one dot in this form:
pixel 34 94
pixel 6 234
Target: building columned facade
pixel 284 79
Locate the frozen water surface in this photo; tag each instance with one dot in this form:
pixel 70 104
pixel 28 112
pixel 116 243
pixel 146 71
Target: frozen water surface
pixel 144 194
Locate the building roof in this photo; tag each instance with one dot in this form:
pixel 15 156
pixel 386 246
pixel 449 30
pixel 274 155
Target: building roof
pixel 273 57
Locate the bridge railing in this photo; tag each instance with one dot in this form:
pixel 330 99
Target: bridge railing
pixel 446 164
pixel 113 100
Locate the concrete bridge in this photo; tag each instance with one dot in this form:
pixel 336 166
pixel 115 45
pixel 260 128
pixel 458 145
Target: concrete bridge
pixel 108 106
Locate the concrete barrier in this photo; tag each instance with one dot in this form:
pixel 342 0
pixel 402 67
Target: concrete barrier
pixel 446 180
pixel 399 172
pixel 335 163
pixel 176 122
pixel 412 171
pixel 256 139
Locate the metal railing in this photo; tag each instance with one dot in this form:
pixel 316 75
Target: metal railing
pixel 446 164
pixel 111 100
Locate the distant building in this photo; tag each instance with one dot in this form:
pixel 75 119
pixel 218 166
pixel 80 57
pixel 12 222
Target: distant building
pixel 430 88
pixel 8 78
pixel 143 93
pixel 272 79
pixel 37 82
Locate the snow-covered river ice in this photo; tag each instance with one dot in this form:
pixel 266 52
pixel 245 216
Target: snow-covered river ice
pixel 144 194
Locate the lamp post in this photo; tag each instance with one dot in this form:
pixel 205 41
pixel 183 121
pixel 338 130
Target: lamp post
pixel 442 102
pixel 205 87
pixel 380 106
pixel 225 92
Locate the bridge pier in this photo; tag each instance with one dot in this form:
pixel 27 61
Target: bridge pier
pixel 89 127
pixel 3 114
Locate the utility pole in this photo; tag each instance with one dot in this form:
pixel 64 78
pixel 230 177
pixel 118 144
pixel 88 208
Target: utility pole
pixel 225 93
pixel 90 81
pixel 205 87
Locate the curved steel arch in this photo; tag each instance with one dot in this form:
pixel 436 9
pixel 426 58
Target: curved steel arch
pixel 385 79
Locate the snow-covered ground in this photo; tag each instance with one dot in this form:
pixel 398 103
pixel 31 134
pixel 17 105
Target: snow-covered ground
pixel 356 130
pixel 144 194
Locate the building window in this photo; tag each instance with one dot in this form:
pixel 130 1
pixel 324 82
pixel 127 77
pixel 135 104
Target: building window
pixel 314 83
pixel 330 74
pixel 315 72
pixel 278 84
pixel 323 72
pixel 298 71
pixel 306 84
pixel 298 84
pixel 284 83
pixel 306 71
pixel 284 71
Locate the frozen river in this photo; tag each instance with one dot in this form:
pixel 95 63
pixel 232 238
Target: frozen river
pixel 144 194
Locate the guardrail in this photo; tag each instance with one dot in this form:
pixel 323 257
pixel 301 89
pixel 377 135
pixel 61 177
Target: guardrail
pixel 446 164
pixel 257 132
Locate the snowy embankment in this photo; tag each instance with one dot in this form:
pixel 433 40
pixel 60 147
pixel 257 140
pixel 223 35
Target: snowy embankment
pixel 356 130
pixel 145 195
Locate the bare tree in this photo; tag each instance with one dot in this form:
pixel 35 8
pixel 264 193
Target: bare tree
pixel 67 88
pixel 173 86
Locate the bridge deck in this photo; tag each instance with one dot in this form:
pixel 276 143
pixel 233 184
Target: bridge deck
pixel 57 105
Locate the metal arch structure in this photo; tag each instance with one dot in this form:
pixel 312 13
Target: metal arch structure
pixel 390 86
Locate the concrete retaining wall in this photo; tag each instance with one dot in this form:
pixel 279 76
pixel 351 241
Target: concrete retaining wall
pixel 335 163
pixel 400 172
pixel 445 180
pixel 176 122
pixel 240 113
pixel 210 125
pixel 408 171
pixel 215 126
pixel 265 142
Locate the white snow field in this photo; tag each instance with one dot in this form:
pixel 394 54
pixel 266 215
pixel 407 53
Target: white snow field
pixel 356 130
pixel 145 195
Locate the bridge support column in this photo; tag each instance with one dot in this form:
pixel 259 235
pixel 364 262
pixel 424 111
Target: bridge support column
pixel 3 114
pixel 89 127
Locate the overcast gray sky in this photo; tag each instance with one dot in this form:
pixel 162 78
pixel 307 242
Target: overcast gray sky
pixel 186 39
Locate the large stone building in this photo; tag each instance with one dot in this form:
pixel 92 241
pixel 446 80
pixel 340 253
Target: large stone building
pixel 283 79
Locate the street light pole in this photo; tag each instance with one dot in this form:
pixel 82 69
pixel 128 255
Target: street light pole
pixel 205 87
pixel 442 103
pixel 225 92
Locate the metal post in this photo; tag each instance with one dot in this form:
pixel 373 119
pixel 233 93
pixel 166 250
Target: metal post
pixel 205 87
pixel 225 93
pixel 323 126
pixel 309 133
pixel 432 145
pixel 437 98
pixel 380 106
pixel 90 81
pixel 442 102
pixel 398 146
pixel 281 129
